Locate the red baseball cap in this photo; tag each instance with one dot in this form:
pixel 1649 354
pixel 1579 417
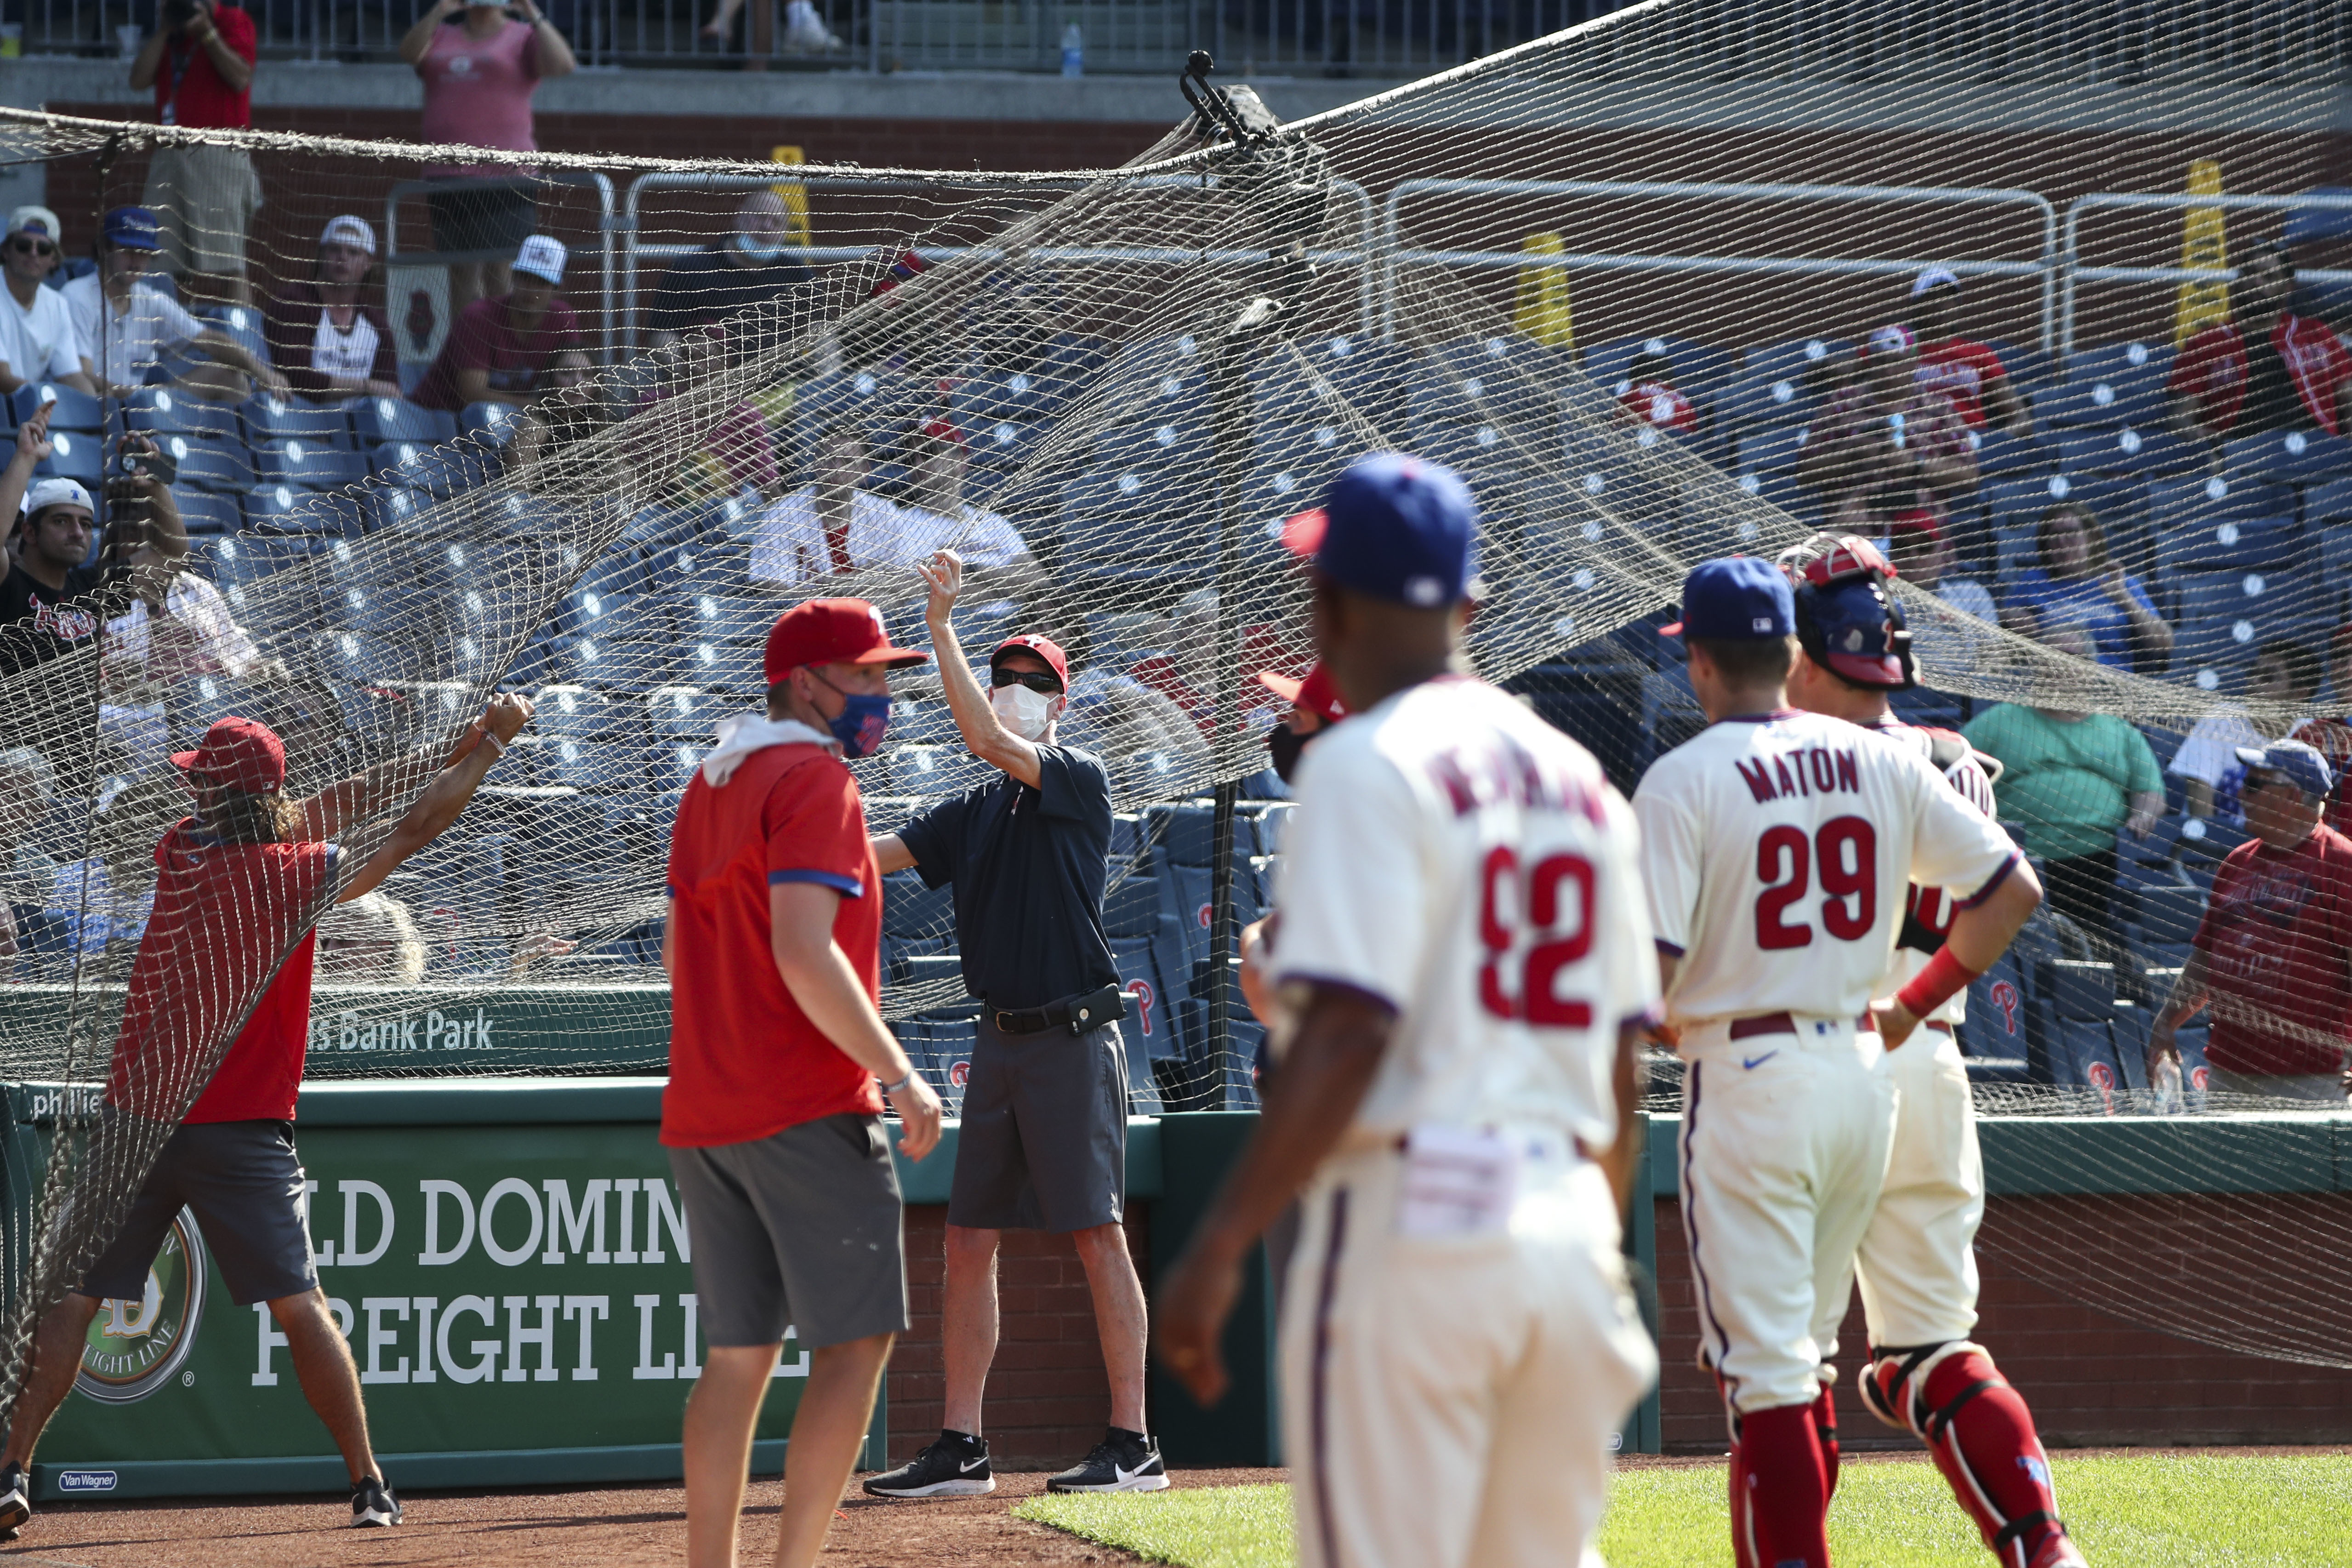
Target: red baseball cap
pixel 238 753
pixel 1318 693
pixel 942 430
pixel 1920 522
pixel 1046 648
pixel 832 631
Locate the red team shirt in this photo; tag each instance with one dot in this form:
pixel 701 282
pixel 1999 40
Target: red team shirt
pixel 745 1062
pixel 222 914
pixel 2211 369
pixel 2276 935
pixel 1961 369
pixel 1656 403
pixel 189 92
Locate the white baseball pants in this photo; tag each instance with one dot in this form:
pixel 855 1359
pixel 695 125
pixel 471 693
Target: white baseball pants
pixel 1452 1403
pixel 1917 1261
pixel 1784 1147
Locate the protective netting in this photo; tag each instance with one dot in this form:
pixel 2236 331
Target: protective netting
pixel 1617 277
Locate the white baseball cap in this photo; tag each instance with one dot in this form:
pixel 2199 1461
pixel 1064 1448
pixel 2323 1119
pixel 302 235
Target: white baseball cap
pixel 57 492
pixel 541 257
pixel 348 229
pixel 1934 278
pixel 40 220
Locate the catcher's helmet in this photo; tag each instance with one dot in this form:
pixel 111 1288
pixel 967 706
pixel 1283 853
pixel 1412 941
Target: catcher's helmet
pixel 1847 620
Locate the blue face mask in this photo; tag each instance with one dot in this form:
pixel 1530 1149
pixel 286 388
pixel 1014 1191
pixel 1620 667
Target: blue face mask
pixel 756 250
pixel 861 720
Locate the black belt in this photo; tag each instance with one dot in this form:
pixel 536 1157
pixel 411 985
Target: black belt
pixel 1080 1014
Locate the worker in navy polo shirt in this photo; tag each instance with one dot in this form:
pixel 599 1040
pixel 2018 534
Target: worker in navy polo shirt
pixel 1043 1144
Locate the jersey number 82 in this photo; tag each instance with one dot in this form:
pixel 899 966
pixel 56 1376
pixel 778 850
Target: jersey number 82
pixel 1557 891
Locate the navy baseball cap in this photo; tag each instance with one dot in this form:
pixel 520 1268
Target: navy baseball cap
pixel 1739 598
pixel 2295 761
pixel 1394 527
pixel 132 228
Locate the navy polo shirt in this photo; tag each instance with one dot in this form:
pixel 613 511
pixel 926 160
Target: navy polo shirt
pixel 1029 867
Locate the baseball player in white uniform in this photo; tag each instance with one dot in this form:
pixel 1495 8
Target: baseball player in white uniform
pixel 1463 969
pixel 1776 843
pixel 1916 1263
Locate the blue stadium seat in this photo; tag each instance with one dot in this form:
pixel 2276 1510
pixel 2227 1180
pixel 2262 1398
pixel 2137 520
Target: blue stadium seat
pixel 911 910
pixel 1169 443
pixel 2105 361
pixel 385 421
pixel 392 507
pixel 2129 449
pixel 2228 595
pixel 439 472
pixel 2287 458
pixel 1763 400
pixel 601 767
pixel 2327 503
pixel 1804 358
pixel 211 463
pixel 239 324
pixel 731 667
pixel 579 713
pixel 284 508
pixel 269 418
pixel 2232 544
pixel 203 512
pixel 1773 450
pixel 495 422
pixel 1140 520
pixel 163 412
pixel 2186 502
pixel 2001 456
pixel 240 561
pixel 309 464
pixel 2106 401
pixel 683 713
pixel 1697 365
pixel 717 617
pixel 1371 378
pixel 1001 444
pixel 73 455
pixel 362 657
pixel 72 410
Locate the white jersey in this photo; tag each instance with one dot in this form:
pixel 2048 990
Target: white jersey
pixel 1779 848
pixel 1927 911
pixel 1460 860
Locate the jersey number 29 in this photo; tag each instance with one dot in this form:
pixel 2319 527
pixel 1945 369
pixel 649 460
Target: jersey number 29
pixel 1846 852
pixel 1557 893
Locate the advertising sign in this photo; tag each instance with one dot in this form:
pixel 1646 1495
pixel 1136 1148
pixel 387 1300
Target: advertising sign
pixel 517 1297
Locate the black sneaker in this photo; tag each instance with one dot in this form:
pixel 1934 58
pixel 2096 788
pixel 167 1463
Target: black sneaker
pixel 955 1465
pixel 372 1505
pixel 16 1500
pixel 1123 1461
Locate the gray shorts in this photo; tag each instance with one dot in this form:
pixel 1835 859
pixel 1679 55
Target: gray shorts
pixel 1043 1143
pixel 203 199
pixel 799 1230
pixel 244 1181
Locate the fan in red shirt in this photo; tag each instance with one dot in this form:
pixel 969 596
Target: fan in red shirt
pixel 1650 394
pixel 2274 953
pixel 1968 372
pixel 773 1116
pixel 199 60
pixel 238 884
pixel 2264 369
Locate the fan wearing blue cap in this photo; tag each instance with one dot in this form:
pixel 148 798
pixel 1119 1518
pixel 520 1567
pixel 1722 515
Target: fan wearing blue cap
pixel 1461 972
pixel 142 324
pixel 1777 844
pixel 2275 947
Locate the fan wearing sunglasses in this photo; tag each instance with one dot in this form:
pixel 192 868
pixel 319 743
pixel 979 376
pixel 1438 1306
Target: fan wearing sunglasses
pixel 1044 1145
pixel 38 340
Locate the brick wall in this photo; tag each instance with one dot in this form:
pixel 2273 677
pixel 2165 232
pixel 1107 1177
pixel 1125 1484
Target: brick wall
pixel 1048 1396
pixel 2091 1378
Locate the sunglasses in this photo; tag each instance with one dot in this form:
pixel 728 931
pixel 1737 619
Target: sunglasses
pixel 32 246
pixel 1036 680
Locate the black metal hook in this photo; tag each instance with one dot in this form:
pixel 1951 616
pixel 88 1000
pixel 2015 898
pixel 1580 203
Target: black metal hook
pixel 1208 102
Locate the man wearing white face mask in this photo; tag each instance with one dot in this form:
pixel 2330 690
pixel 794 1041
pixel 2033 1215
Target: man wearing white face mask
pixel 755 264
pixel 1044 1144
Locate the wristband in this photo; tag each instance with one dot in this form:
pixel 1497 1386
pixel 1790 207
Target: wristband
pixel 498 747
pixel 889 1088
pixel 1943 978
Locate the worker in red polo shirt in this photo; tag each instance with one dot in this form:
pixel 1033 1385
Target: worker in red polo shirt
pixel 774 1117
pixel 2274 953
pixel 238 886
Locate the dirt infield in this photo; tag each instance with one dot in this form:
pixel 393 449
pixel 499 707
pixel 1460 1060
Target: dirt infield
pixel 582 1529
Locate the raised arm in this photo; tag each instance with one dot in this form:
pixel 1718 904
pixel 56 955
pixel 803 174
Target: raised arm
pixel 327 813
pixel 32 447
pixel 555 57
pixel 417 42
pixel 818 974
pixel 443 798
pixel 989 740
pixel 149 60
pixel 228 351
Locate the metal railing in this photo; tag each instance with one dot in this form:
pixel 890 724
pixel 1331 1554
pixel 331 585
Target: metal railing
pixel 605 226
pixel 1396 254
pixel 1958 42
pixel 2077 273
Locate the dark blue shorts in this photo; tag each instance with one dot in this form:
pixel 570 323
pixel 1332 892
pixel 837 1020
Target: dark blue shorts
pixel 245 1182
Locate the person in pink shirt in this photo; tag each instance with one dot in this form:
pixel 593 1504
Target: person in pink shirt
pixel 503 350
pixel 479 74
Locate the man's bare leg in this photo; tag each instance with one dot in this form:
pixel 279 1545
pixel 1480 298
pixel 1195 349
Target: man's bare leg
pixel 330 1378
pixel 719 1415
pixel 968 1322
pixel 1120 1318
pixel 835 1410
pixel 57 1361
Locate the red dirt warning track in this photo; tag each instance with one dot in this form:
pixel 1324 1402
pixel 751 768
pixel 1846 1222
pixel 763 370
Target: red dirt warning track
pixel 582 1529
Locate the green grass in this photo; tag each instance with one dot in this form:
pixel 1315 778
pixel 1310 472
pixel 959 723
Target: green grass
pixel 2140 1511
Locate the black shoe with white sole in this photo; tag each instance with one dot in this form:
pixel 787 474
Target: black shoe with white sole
pixel 373 1506
pixel 1123 1461
pixel 955 1465
pixel 15 1499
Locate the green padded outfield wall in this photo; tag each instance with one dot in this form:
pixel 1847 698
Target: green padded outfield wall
pixel 510 1263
